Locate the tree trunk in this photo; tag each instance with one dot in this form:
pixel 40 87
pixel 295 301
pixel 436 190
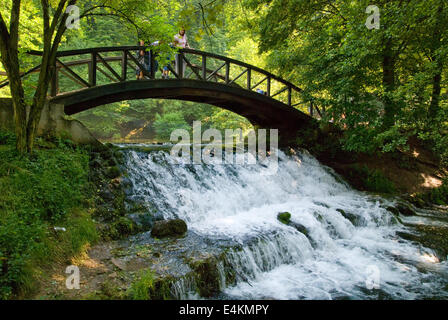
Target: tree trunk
pixel 18 101
pixel 11 64
pixel 435 96
pixel 10 60
pixel 437 78
pixel 39 100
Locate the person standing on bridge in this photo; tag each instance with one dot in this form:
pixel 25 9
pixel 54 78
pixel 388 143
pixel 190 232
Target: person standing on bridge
pixel 180 41
pixel 144 60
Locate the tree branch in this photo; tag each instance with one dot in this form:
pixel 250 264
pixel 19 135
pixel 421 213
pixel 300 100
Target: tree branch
pixel 46 16
pixel 337 10
pixel 14 25
pixel 57 14
pixel 4 34
pixel 61 28
pixel 120 14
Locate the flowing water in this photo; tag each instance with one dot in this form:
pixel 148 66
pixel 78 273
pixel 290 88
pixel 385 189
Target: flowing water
pixel 340 244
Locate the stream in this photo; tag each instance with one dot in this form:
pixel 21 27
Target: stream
pixel 340 243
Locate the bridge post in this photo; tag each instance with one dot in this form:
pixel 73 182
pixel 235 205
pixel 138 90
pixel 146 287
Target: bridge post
pixel 227 76
pixel 289 96
pixel 180 62
pixel 268 86
pixel 311 109
pixel 204 67
pixel 92 69
pixel 249 72
pixel 124 65
pixel 152 72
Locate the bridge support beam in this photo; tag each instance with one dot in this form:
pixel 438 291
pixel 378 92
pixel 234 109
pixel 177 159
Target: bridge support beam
pixel 53 122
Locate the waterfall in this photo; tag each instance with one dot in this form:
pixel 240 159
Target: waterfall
pixel 339 240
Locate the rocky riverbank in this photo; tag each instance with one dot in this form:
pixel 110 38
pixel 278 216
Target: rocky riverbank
pixel 142 256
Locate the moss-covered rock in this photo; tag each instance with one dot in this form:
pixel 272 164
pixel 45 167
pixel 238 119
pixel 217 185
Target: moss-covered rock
pixel 143 220
pixel 284 217
pixel 353 218
pixel 125 226
pixel 299 227
pixel 161 288
pixel 169 228
pixel 113 172
pixel 207 276
pixel 434 237
pixel 146 285
pixel 401 208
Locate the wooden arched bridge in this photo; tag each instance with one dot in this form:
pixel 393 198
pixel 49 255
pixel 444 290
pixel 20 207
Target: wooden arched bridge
pixel 108 74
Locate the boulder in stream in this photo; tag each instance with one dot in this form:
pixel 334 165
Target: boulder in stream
pixel 169 228
pixel 284 217
pixel 401 208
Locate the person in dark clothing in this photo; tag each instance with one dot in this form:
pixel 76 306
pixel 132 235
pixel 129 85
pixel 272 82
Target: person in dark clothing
pixel 144 58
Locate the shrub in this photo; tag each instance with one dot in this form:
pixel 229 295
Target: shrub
pixel 371 179
pixel 141 288
pixel 39 192
pixel 438 195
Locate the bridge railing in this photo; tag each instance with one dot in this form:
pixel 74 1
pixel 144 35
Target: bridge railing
pixel 119 64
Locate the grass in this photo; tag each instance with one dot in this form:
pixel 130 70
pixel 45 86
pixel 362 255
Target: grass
pixel 39 192
pixel 141 287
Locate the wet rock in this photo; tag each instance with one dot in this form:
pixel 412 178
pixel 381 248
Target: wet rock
pixel 353 218
pixel 161 288
pixel 405 209
pixel 143 220
pixel 119 156
pixel 168 228
pixel 284 217
pixel 126 182
pixel 115 183
pixel 95 163
pixel 107 153
pixel 118 263
pixel 321 204
pixel 401 208
pixel 434 237
pixel 207 276
pixel 124 227
pixel 133 206
pixel 393 210
pixel 106 195
pixel 299 227
pixel 113 172
pixel 112 162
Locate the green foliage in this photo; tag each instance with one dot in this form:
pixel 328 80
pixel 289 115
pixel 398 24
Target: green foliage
pixel 7 137
pixel 166 123
pixel 38 193
pixel 371 179
pixel 50 183
pixel 142 286
pixel 436 135
pixel 437 196
pixel 379 84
